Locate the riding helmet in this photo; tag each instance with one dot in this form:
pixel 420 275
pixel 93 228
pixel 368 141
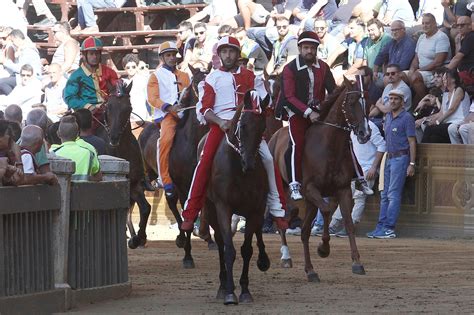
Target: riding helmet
pixel 308 37
pixel 228 41
pixel 91 43
pixel 167 47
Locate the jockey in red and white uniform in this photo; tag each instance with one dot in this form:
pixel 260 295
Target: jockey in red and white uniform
pixel 223 90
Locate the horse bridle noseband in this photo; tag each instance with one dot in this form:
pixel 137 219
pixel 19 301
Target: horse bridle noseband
pixel 349 126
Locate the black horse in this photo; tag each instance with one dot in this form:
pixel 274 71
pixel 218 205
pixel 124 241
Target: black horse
pixel 117 133
pixel 183 156
pixel 239 185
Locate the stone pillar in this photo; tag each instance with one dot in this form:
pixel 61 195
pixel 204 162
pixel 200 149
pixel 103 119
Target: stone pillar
pixel 113 168
pixel 63 168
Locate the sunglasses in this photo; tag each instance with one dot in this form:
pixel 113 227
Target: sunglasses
pixel 461 25
pixel 144 67
pixel 390 73
pixel 280 27
pixel 199 33
pixel 26 75
pixel 130 67
pixel 319 28
pixel 395 29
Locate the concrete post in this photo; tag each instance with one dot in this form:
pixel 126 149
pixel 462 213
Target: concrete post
pixel 113 168
pixel 63 168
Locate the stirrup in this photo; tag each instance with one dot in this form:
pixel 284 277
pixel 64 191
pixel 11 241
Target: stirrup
pixel 364 187
pixel 295 191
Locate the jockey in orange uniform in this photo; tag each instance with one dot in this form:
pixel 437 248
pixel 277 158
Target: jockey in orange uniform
pixel 223 91
pixel 164 88
pixel 305 81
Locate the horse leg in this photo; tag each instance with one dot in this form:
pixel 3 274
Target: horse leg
pixel 246 251
pixel 204 231
pixel 139 197
pixel 263 262
pixel 224 215
pixel 324 249
pixel 173 205
pixel 346 204
pixel 222 272
pixel 285 260
pixel 131 228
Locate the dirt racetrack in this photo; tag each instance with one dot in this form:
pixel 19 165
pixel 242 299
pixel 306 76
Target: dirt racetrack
pixel 404 275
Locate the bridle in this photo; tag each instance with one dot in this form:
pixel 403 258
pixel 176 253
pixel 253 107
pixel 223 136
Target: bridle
pixel 349 126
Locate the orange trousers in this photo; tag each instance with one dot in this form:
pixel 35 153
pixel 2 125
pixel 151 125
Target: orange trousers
pixel 167 132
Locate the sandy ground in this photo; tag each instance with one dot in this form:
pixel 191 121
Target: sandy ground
pixel 403 276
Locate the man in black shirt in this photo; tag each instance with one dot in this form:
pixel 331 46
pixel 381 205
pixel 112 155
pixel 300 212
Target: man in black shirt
pixel 464 58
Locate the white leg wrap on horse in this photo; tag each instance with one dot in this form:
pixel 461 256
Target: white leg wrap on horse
pixel 285 252
pixel 273 199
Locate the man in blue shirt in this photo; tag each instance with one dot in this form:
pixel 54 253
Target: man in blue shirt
pixel 399 51
pixel 401 152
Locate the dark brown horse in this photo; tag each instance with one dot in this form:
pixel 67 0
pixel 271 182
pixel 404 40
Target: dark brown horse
pixel 328 168
pixel 239 185
pixel 117 133
pixel 183 156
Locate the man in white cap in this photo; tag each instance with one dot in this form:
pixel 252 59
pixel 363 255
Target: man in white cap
pixel 163 90
pixel 400 139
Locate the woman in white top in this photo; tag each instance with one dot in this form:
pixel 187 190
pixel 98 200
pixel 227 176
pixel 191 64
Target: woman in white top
pixel 454 107
pixel 138 93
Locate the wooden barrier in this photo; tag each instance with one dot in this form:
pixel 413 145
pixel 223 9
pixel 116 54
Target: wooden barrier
pixel 64 245
pixel 439 200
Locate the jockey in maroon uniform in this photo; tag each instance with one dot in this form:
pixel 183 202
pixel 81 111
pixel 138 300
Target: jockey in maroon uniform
pixel 305 81
pixel 223 90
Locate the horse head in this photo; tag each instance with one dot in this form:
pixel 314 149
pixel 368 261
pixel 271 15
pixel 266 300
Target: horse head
pixel 356 111
pixel 250 128
pixel 117 113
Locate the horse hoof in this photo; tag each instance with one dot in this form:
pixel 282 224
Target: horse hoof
pixel 245 298
pixel 231 299
pixel 358 269
pixel 323 252
pixel 220 294
pixel 263 262
pixel 286 263
pixel 180 240
pixel 212 245
pixel 134 242
pixel 313 277
pixel 188 263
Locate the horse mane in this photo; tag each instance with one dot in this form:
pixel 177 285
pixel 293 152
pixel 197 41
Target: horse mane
pixel 182 121
pixel 327 104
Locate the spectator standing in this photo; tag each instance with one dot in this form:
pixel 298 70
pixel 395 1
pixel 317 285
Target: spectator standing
pixel 285 49
pixel 84 122
pixel 68 52
pixel 432 51
pixel 87 164
pixel 31 142
pixel 251 51
pixel 26 53
pixel 307 10
pixel 378 39
pixel 430 6
pixel 26 94
pixel 369 155
pixel 400 50
pixel 453 107
pixel 327 49
pixel 12 17
pixel 139 81
pixel 399 129
pixel 85 13
pixel 464 58
pixel 53 93
pixel 184 39
pixel 392 10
